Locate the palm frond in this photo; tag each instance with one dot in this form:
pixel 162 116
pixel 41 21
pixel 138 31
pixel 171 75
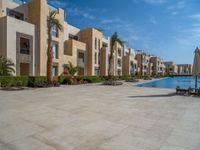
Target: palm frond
pixel 53 21
pixel 6 66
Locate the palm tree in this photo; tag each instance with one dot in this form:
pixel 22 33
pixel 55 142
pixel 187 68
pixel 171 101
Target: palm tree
pixel 71 70
pixel 6 66
pixel 52 22
pixel 113 40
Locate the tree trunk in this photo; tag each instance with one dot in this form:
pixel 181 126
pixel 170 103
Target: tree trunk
pixel 49 56
pixel 110 64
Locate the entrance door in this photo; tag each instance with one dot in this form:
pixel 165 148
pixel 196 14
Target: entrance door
pixel 24 69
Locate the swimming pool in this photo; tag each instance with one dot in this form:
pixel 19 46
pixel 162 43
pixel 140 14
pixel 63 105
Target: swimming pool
pixel 172 83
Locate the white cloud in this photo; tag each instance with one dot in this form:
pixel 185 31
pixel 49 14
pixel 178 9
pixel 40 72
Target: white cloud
pixel 152 2
pixel 155 1
pixel 195 16
pixel 82 13
pixel 153 20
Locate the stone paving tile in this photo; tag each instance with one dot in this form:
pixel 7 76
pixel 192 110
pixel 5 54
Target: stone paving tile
pixel 182 138
pixel 93 117
pixel 172 147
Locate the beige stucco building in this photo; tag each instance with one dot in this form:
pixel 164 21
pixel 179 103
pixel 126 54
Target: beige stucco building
pixel 171 67
pixel 23 38
pixel 130 65
pixel 158 66
pixel 144 64
pixel 184 69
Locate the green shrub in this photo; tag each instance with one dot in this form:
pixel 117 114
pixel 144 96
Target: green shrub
pixel 80 79
pixel 64 80
pixel 92 79
pixel 128 77
pixel 147 78
pixel 37 81
pixel 13 81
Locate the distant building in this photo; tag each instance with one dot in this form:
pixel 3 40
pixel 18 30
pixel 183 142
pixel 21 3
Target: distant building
pixel 171 67
pixel 144 64
pixel 158 66
pixel 130 65
pixel 184 69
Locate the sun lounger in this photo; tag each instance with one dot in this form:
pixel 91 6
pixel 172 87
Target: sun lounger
pixel 182 91
pixel 198 91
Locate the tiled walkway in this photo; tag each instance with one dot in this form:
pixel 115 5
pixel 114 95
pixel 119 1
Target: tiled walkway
pixel 95 117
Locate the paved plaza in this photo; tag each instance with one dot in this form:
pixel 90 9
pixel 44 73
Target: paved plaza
pixel 96 117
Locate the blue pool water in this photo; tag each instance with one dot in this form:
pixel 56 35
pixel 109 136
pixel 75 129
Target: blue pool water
pixel 172 83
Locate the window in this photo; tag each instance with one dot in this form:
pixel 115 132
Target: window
pixel 95 58
pixel 119 63
pixel 97 71
pixel 15 14
pixel 81 56
pixel 54 31
pixel 119 72
pixel 99 60
pixel 99 44
pixel 55 70
pixel 119 52
pixel 55 50
pixel 24 46
pixel 95 43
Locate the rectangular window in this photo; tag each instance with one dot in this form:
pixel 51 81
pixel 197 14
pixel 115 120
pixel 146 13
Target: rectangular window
pixel 81 56
pixel 99 44
pixel 55 50
pixel 119 52
pixel 55 70
pixel 99 60
pixel 95 43
pixel 15 14
pixel 97 71
pixel 54 31
pixel 119 63
pixel 24 46
pixel 95 58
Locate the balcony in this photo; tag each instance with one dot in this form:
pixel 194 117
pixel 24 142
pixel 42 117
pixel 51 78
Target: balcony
pixel 25 51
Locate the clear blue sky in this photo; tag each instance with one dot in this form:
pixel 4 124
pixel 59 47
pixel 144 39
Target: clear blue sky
pixel 167 28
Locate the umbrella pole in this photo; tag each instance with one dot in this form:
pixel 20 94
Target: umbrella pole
pixel 196 82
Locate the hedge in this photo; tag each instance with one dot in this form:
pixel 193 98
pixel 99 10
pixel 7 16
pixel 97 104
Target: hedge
pixel 11 81
pixel 80 79
pixel 22 81
pixel 37 81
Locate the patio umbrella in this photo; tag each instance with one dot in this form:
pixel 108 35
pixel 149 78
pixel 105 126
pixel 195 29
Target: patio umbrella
pixel 196 65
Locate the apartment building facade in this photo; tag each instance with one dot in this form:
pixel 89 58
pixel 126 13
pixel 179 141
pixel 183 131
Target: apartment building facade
pixel 184 69
pixel 23 38
pixel 171 67
pixel 130 64
pixel 144 64
pixel 158 66
pixel 26 42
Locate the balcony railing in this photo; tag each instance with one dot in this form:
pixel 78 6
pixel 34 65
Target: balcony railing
pixel 24 51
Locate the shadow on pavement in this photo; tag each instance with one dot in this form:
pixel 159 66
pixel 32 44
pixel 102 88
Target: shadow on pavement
pixel 160 95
